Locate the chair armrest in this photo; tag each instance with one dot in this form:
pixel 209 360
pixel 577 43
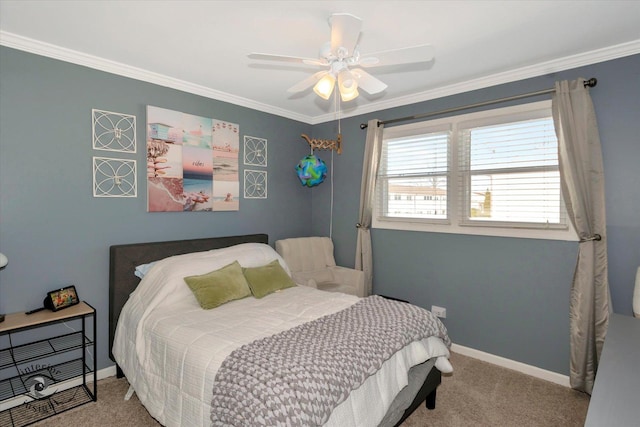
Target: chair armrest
pixel 304 279
pixel 350 276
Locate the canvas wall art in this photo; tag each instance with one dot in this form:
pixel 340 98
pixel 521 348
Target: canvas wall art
pixel 226 182
pixel 192 163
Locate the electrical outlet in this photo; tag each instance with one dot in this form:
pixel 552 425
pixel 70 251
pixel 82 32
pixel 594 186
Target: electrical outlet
pixel 439 311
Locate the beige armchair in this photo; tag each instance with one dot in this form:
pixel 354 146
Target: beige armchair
pixel 311 262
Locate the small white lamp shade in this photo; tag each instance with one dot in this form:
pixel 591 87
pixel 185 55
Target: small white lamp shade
pixel 324 87
pixel 636 295
pixel 347 85
pixel 3 260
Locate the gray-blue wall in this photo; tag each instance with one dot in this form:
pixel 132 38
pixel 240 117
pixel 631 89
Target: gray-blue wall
pixel 55 232
pixel 507 297
pixel 504 296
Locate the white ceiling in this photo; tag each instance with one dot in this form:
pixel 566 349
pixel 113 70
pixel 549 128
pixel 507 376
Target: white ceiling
pixel 202 46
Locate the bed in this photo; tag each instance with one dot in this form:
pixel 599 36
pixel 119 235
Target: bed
pixel 170 358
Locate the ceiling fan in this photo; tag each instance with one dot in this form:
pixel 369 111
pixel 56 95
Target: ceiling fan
pixel 340 56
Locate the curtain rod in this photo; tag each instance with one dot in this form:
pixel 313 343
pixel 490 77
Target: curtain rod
pixel 590 83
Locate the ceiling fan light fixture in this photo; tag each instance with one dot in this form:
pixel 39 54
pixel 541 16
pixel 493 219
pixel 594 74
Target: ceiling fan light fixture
pixel 340 53
pixel 346 80
pixel 324 87
pixel 348 85
pixel 348 96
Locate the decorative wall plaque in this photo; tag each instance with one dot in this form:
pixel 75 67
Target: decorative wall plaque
pixel 255 184
pixel 255 151
pixel 114 177
pixel 113 131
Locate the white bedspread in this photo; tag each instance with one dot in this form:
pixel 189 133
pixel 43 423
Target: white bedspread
pixel 170 349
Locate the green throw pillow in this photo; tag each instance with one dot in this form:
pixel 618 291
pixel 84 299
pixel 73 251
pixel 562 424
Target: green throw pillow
pixel 267 279
pixel 220 286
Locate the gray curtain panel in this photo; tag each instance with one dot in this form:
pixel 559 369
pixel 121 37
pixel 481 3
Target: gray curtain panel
pixel 582 180
pixel 364 255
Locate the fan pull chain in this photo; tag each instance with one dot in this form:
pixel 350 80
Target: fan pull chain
pixel 336 106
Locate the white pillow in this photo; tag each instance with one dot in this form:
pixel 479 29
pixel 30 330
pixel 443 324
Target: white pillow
pixel 143 269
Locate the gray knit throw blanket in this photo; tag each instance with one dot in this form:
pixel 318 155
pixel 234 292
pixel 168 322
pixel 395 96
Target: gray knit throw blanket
pixel 298 376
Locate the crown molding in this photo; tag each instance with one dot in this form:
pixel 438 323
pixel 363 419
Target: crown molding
pixel 63 54
pixel 56 52
pixel 553 66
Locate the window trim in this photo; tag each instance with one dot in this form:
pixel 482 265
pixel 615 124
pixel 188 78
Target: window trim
pixel 456 223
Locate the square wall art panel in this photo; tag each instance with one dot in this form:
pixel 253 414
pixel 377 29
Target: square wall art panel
pixel 192 163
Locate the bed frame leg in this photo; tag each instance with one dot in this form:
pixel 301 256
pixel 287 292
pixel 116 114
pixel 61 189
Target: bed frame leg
pixel 129 393
pixel 430 401
pixel 119 373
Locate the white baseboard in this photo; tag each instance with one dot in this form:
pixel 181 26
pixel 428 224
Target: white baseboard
pixel 534 371
pixel 106 372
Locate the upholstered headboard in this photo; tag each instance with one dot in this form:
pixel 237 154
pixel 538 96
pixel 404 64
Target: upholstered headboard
pixel 123 260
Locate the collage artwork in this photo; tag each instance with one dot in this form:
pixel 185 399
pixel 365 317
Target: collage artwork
pixel 192 163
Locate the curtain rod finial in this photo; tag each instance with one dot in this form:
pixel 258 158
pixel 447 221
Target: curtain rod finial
pixel 591 82
pixel 365 125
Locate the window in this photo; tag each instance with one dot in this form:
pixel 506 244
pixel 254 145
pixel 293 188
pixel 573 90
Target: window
pixel 414 164
pixel 494 172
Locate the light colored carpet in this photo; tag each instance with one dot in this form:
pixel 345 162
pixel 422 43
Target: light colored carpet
pixel 482 394
pixel 476 394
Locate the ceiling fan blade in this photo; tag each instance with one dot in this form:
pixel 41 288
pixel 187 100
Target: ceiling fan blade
pixel 284 58
pixel 308 82
pixel 345 30
pixel 367 82
pixel 407 55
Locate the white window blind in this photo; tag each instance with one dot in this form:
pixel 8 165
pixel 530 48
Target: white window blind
pixel 413 175
pixel 510 173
